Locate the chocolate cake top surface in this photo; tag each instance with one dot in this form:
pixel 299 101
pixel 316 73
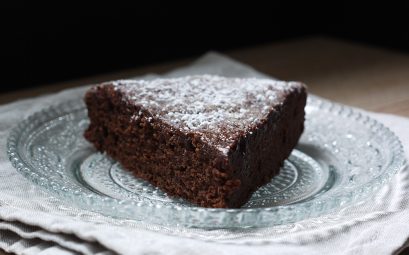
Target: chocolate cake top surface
pixel 218 109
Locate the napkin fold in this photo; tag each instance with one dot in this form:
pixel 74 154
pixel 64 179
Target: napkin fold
pixel 32 221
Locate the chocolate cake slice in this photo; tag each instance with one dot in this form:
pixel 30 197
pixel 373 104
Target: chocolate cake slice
pixel 208 139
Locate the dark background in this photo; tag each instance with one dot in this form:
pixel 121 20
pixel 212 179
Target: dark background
pixel 49 42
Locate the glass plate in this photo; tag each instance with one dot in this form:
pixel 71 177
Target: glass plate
pixel 342 157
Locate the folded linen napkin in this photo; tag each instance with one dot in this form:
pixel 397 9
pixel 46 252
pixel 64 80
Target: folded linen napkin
pixel 34 222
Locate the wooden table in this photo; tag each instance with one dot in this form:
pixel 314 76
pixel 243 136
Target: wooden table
pixel 354 74
pixel 358 75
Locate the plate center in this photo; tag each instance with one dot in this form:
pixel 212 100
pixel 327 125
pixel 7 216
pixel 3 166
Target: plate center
pixel 300 178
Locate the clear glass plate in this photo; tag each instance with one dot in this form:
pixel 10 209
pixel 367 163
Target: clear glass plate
pixel 342 157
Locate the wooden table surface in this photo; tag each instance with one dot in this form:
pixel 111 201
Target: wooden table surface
pixel 358 75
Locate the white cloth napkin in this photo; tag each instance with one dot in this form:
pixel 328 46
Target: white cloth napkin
pixel 34 222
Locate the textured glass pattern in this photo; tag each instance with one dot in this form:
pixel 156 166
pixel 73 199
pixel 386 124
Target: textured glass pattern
pixel 342 157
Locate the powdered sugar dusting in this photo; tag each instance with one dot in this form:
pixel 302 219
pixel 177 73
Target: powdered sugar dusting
pixel 217 108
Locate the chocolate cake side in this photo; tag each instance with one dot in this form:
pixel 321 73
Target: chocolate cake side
pixel 214 153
